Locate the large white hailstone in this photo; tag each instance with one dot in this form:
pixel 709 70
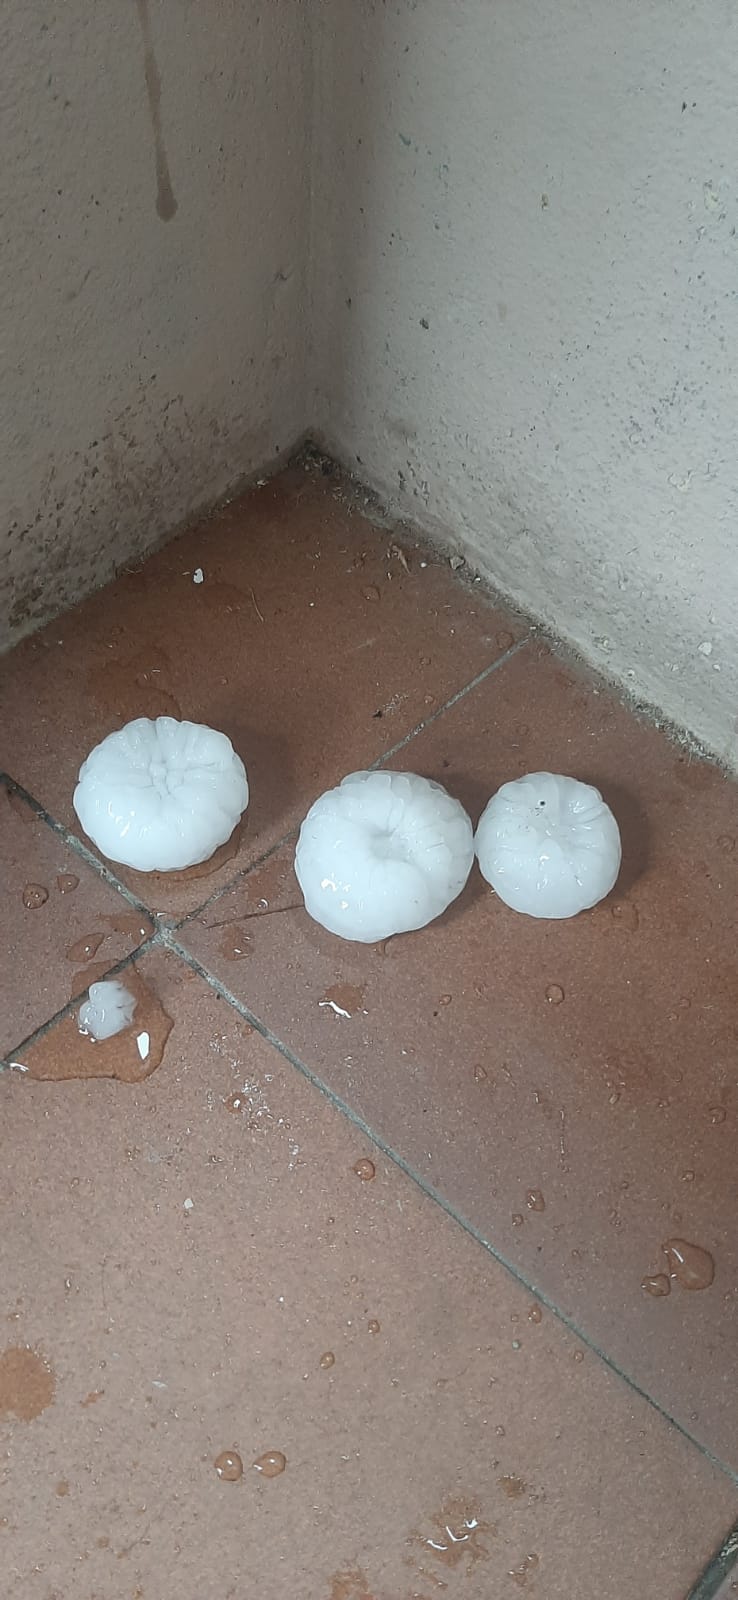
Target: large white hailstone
pixel 161 796
pixel 549 845
pixel 383 853
pixel 108 1010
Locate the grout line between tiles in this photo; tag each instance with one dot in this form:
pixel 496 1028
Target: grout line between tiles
pixel 171 943
pixel 75 844
pixel 10 1063
pixel 102 871
pixel 374 766
pixel 460 694
pixel 217 894
pixel 81 849
pixel 717 1570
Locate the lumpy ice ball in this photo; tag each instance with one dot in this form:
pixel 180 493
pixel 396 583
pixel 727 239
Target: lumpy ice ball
pixel 161 796
pixel 549 845
pixel 382 854
pixel 108 1010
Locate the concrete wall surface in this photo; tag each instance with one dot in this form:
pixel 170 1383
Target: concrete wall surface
pixel 152 294
pixel 526 310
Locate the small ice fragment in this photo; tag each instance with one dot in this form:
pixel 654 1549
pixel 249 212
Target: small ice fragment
pixel 705 649
pixel 160 796
pixel 142 1044
pixel 332 1006
pixel 189 1204
pixel 197 575
pixel 108 1011
pixel 549 845
pixel 382 854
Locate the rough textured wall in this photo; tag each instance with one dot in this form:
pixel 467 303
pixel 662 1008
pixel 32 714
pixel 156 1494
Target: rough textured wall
pixel 526 309
pixel 154 210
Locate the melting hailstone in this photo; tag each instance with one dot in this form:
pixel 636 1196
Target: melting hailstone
pixel 382 854
pixel 108 1011
pixel 161 795
pixel 549 845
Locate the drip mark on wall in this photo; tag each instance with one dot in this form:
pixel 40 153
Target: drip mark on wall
pixel 166 204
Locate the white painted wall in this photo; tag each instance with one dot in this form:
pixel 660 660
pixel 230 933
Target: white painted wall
pixel 152 333
pixel 553 190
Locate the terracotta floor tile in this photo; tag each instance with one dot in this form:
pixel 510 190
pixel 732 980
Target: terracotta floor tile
pixel 618 1104
pixel 308 642
pixel 52 906
pixel 176 1277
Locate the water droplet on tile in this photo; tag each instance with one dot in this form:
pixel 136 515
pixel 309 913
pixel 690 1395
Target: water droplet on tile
pixel 327 1360
pixel 26 1383
pixel 480 1074
pixel 690 1265
pixel 578 1356
pixel 512 1486
pixel 85 948
pixel 235 943
pixel 717 1115
pixel 92 1398
pixel 688 1176
pixel 371 592
pixel 457 1538
pixel 500 1431
pixel 123 691
pixel 521 1574
pixel 445 1000
pixel 65 1053
pixel 534 1200
pixel 35 895
pixel 658 1284
pixel 365 1169
pixel 234 1102
pixel 535 1314
pixel 229 1466
pixel 374 1326
pixel 271 1463
pixel 517 1220
pixel 66 882
pixel 343 999
pixel 554 994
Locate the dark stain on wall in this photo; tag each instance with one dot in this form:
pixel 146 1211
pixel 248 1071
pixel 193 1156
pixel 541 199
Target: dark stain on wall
pixel 166 204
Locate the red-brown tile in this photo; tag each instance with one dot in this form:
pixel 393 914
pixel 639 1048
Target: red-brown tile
pixel 617 1104
pixel 307 642
pixel 176 1276
pixel 53 910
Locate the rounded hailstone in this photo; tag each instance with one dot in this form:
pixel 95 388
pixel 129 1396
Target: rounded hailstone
pixel 549 845
pixel 383 853
pixel 161 796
